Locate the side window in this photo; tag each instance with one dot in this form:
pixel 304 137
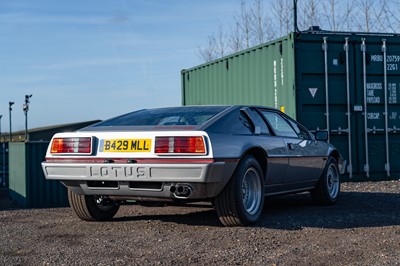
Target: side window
pixel 233 123
pixel 279 124
pixel 301 132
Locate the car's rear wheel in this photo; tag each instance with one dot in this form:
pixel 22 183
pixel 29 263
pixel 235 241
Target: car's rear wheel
pixel 328 188
pixel 92 208
pixel 242 200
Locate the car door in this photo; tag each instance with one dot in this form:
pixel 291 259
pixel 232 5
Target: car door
pixel 304 157
pixel 274 146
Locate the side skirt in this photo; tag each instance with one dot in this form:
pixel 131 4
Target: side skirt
pixel 290 188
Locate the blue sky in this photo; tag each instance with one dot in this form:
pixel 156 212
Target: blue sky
pixel 86 60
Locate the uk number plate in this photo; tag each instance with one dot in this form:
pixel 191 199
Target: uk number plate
pixel 125 145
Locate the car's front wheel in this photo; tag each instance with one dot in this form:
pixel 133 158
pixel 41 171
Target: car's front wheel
pixel 328 188
pixel 92 208
pixel 242 200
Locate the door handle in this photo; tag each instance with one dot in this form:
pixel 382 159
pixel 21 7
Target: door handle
pixel 291 146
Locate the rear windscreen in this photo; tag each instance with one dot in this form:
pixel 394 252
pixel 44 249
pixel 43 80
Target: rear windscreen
pixel 165 116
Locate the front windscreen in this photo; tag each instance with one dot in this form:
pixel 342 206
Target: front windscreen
pixel 193 115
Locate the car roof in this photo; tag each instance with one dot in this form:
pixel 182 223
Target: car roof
pixel 200 116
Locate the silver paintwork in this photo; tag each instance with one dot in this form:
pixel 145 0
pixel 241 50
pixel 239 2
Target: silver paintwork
pixel 251 191
pixel 215 174
pixel 289 165
pixel 332 176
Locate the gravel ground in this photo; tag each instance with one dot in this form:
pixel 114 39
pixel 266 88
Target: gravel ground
pixel 363 228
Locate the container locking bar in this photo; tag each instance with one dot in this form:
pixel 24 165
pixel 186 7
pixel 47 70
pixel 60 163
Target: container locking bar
pixel 394 129
pixel 363 50
pixel 387 165
pixel 375 130
pixel 325 49
pixel 340 130
pixel 346 49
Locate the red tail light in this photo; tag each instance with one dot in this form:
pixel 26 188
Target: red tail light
pixel 72 145
pixel 193 145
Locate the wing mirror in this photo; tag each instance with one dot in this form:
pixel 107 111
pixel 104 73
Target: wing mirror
pixel 321 135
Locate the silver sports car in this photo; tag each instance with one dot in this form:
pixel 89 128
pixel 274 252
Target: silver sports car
pixel 232 156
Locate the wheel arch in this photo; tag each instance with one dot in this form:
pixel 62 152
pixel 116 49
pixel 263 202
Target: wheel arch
pixel 241 201
pixel 261 156
pixel 335 154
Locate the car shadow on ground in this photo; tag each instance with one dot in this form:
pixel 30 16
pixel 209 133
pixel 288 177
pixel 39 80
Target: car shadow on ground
pixel 201 214
pixel 353 210
pixel 198 218
pixel 294 212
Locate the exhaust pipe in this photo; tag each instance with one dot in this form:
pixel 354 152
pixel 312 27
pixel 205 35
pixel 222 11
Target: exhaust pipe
pixel 181 191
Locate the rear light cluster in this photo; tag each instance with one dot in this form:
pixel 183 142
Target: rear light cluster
pixel 72 145
pixel 194 145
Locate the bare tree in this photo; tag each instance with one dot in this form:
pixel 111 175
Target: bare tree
pixel 338 14
pixel 310 14
pixel 216 47
pixel 347 17
pixel 235 39
pixel 383 19
pixel 365 10
pixel 208 53
pixel 243 21
pixel 330 13
pixel 257 13
pixel 391 16
pixel 376 15
pixel 262 29
pixel 257 22
pixel 283 14
pixel 251 27
pixel 221 42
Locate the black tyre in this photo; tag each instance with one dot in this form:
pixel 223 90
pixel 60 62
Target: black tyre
pixel 241 201
pixel 328 188
pixel 92 208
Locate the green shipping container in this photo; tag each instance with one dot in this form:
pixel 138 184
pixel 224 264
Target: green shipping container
pixel 345 83
pixel 3 164
pixel 27 184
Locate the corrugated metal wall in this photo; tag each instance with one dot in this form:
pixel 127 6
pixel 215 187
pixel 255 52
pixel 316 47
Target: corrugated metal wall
pixel 27 184
pixel 3 164
pixel 263 75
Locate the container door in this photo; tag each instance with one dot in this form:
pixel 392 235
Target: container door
pixel 379 85
pixel 349 85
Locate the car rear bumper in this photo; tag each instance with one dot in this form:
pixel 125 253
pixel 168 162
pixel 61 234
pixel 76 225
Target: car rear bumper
pixel 203 180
